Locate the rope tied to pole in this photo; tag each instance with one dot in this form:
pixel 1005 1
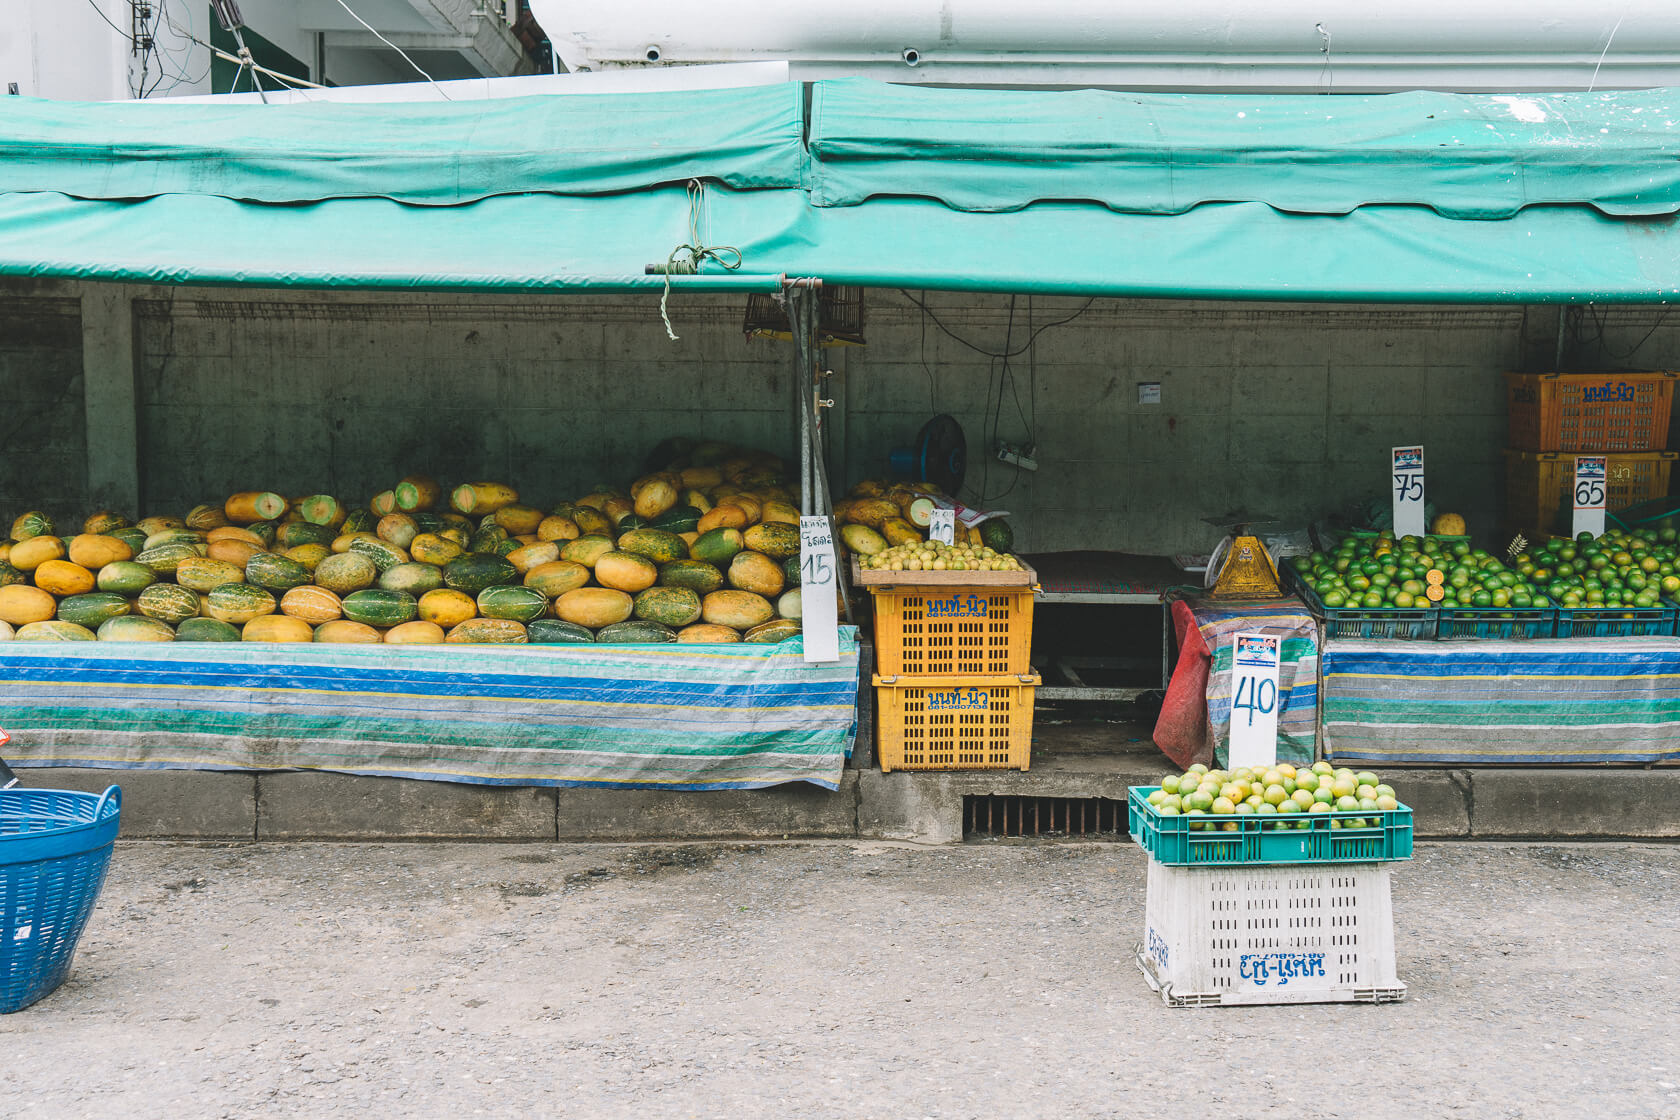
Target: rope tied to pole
pixel 686 259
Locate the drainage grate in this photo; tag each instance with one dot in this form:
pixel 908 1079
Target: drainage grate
pixel 1048 817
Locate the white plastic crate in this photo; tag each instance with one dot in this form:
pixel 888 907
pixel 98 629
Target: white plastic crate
pixel 1314 933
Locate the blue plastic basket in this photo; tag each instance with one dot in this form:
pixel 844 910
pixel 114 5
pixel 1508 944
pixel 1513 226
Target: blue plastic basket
pixel 1408 623
pixel 55 847
pixel 1258 840
pixel 1495 623
pixel 1616 622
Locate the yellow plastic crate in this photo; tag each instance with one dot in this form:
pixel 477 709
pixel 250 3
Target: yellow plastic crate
pixel 1590 412
pixel 945 630
pixel 1540 485
pixel 956 722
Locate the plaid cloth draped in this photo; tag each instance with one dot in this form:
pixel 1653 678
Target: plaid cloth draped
pixel 674 716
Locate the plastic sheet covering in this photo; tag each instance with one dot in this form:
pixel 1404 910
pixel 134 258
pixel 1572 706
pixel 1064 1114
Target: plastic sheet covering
pixel 431 153
pixel 1224 251
pixel 1060 234
pixel 660 716
pixel 1489 702
pixel 1202 680
pixel 1460 155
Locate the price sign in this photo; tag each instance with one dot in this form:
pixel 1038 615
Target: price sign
pixel 1590 474
pixel 1407 488
pixel 1254 699
pixel 943 527
pixel 819 603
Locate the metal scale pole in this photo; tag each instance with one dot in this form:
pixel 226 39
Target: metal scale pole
pixel 802 299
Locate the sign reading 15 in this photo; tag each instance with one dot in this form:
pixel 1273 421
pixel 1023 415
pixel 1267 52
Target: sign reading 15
pixel 816 568
pixel 1261 697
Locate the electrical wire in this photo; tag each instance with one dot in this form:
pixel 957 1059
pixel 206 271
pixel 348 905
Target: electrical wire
pixel 921 351
pixel 394 47
pixel 981 349
pixel 999 376
pixel 292 82
pixel 185 49
pixel 101 13
pixel 1601 320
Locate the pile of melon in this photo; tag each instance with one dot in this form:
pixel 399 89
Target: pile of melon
pixel 878 517
pixel 705 550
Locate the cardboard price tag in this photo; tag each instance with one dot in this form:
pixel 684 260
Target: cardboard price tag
pixel 1591 473
pixel 819 601
pixel 1407 487
pixel 1254 699
pixel 943 526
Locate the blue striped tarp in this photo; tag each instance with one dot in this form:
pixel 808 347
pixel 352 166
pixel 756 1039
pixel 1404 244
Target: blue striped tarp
pixel 1565 701
pixel 1297 741
pixel 672 716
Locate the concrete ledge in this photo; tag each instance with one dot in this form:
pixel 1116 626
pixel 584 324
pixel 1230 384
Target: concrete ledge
pixel 1439 800
pixel 1549 804
pixel 165 804
pixel 906 806
pixel 1503 803
pixel 927 806
pixel 802 810
pixel 318 806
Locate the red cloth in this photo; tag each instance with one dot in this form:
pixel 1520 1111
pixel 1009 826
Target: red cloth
pixel 1182 731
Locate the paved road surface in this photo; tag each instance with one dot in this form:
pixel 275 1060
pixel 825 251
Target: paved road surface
pixel 851 980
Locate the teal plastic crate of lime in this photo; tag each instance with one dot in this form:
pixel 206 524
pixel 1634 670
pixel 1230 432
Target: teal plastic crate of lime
pixel 1618 622
pixel 1408 623
pixel 1387 835
pixel 1500 623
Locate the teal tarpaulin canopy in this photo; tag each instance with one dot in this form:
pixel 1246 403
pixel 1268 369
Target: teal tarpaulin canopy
pixel 1408 197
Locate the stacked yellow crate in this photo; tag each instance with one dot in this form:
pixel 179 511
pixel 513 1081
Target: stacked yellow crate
pixel 954 684
pixel 1556 416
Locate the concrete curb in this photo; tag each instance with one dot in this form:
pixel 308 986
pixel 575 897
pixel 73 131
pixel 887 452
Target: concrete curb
pixel 1501 803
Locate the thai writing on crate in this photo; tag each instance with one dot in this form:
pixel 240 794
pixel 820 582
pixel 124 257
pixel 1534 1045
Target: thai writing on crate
pixel 1262 968
pixel 957 699
pixel 1609 392
pixel 957 606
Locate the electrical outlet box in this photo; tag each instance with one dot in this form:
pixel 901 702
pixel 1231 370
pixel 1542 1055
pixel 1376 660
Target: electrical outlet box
pixel 1018 456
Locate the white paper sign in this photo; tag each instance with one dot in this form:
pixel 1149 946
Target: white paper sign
pixel 1408 492
pixel 965 515
pixel 1254 699
pixel 818 600
pixel 1591 472
pixel 943 526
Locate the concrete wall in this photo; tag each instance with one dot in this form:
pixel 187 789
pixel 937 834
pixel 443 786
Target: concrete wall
pixel 1287 410
pixel 43 440
pixel 70 51
pixel 346 395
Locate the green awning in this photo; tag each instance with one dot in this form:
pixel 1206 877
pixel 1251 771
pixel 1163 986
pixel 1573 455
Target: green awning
pixel 432 153
pixel 1461 156
pixel 896 187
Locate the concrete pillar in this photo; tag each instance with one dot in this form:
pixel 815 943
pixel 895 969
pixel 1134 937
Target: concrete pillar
pixel 109 360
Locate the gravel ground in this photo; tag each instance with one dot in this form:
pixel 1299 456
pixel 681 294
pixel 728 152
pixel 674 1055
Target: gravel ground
pixel 852 980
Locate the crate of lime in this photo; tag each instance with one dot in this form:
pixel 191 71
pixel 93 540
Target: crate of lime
pixel 1621 584
pixel 1270 885
pixel 1377 586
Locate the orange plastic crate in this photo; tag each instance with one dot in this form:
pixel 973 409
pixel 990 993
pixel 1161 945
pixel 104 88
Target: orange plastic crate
pixel 944 630
pixel 1539 485
pixel 1591 412
pixel 954 722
